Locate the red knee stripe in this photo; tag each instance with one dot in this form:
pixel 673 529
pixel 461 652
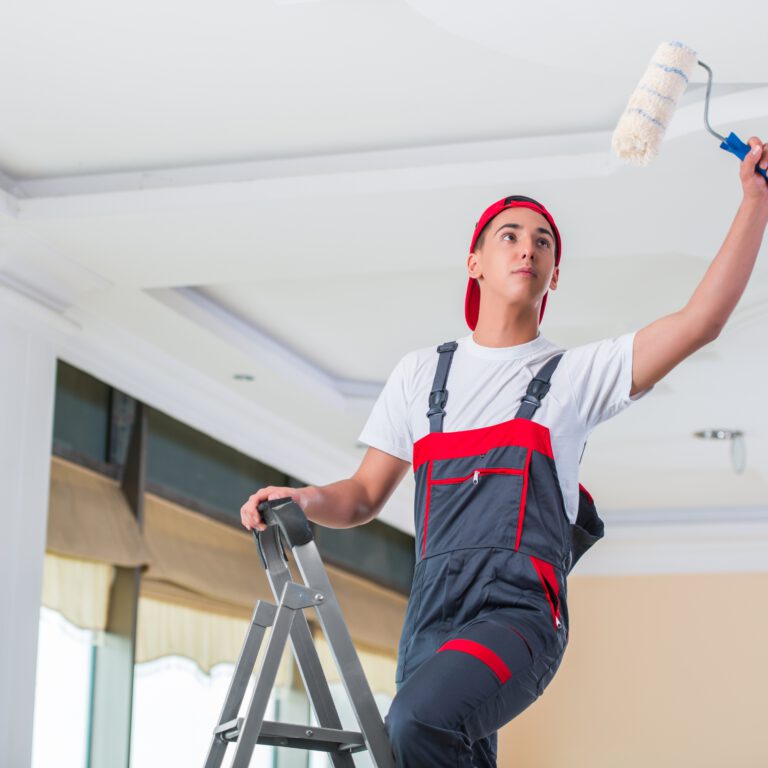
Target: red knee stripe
pixel 486 655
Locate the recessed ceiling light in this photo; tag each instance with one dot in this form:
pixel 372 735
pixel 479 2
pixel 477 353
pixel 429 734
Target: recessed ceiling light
pixel 718 434
pixel 738 446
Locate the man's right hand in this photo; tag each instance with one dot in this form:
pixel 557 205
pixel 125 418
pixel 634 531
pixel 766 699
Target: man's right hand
pixel 249 512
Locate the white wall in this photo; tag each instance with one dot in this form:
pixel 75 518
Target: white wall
pixel 27 387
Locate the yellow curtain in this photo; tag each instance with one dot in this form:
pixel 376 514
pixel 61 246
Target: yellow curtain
pixel 208 559
pixel 168 629
pixel 78 589
pixel 201 581
pixel 201 562
pixel 89 518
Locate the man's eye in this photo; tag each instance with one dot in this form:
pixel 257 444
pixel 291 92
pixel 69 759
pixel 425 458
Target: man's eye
pixel 510 235
pixel 544 242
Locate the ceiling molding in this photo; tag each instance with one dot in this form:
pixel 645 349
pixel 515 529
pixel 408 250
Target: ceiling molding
pixel 565 156
pixel 558 156
pixel 679 541
pixel 193 304
pixel 9 203
pixel 390 164
pixel 391 171
pixel 34 268
pixel 640 521
pixel 9 185
pixel 33 292
pixel 27 304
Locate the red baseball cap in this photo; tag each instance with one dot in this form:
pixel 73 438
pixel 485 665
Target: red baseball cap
pixel 472 301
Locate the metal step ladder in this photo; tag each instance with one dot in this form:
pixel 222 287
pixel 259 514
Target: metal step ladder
pixel 287 524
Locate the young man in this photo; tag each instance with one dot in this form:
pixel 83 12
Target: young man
pixel 497 514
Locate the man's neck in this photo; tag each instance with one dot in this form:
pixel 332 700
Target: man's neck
pixel 506 330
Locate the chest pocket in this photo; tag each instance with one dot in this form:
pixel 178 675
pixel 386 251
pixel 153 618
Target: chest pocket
pixel 477 501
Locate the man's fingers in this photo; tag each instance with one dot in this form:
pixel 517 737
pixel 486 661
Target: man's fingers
pixel 758 152
pixel 755 150
pixel 249 512
pixel 756 159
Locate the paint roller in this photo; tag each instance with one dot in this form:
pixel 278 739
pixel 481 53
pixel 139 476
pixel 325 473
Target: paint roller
pixel 641 128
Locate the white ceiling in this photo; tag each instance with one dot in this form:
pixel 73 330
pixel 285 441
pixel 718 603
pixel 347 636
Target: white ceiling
pixel 287 190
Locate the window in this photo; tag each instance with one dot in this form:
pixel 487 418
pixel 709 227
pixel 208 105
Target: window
pixel 62 693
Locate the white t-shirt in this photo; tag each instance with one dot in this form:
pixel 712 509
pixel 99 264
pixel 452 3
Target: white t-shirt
pixel 485 385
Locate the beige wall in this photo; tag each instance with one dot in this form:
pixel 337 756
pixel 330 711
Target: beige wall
pixel 661 671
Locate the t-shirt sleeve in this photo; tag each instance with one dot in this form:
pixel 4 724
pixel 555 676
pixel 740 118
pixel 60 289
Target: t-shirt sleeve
pixel 601 378
pixel 387 427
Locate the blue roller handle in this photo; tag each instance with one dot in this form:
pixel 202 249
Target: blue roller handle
pixel 737 147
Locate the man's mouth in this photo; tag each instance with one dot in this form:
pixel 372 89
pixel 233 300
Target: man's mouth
pixel 525 271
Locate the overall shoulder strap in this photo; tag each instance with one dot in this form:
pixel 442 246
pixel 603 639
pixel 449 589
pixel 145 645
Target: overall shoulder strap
pixel 537 389
pixel 438 397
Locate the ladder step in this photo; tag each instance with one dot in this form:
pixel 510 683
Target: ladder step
pixel 297 736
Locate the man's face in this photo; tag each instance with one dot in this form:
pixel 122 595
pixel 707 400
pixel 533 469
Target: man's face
pixel 517 259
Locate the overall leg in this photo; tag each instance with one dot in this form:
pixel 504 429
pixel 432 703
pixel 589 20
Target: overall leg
pixel 447 713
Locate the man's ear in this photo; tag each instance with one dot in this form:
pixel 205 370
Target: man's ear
pixel 555 278
pixel 473 265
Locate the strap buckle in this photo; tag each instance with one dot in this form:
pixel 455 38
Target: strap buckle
pixel 437 400
pixel 538 388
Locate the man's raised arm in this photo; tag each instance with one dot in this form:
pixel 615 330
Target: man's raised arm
pixel 660 346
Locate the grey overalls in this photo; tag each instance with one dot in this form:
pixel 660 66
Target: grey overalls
pixel 487 620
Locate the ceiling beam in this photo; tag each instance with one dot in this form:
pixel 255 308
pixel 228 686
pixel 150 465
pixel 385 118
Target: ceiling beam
pixel 565 156
pixel 221 186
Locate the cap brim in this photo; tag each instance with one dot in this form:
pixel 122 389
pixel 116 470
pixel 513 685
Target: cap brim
pixel 472 303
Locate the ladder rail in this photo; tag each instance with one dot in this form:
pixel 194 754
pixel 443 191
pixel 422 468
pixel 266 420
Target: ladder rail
pixel 292 599
pixel 345 656
pixel 263 617
pixel 304 650
pixel 287 523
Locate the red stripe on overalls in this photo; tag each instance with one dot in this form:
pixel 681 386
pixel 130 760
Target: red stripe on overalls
pixel 548 579
pixel 426 511
pixel 522 500
pixel 470 442
pixel 486 655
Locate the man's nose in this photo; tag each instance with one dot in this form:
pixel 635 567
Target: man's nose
pixel 526 249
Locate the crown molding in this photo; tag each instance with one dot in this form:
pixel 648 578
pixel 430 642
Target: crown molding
pixel 669 541
pixel 194 305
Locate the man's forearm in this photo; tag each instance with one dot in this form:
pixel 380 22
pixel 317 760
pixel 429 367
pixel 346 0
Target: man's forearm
pixel 343 504
pixel 720 289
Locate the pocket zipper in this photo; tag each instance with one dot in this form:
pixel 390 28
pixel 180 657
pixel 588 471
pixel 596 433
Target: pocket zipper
pixel 476 476
pixel 553 597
